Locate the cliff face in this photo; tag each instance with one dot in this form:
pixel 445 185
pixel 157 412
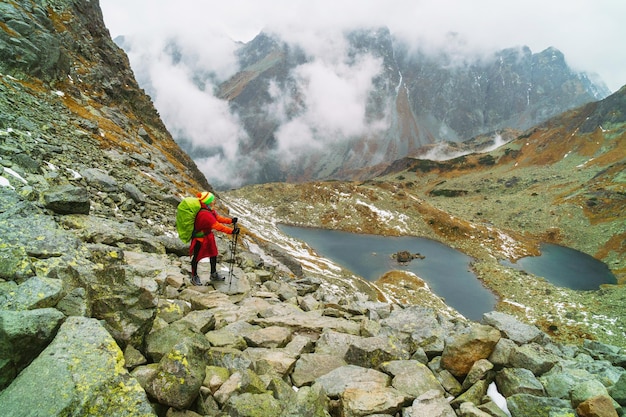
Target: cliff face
pixel 416 99
pixel 62 49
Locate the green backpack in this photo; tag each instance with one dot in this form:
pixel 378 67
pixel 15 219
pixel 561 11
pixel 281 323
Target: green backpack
pixel 186 216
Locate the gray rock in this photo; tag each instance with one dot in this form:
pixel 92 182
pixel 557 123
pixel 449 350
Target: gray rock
pixel 134 193
pixel 512 328
pixel 421 323
pixel 100 179
pixel 311 366
pixel 524 405
pixel 72 374
pixel 172 310
pixel 431 403
pixel 560 381
pixel 201 320
pixel 362 402
pixel 618 391
pixel 271 361
pixel 67 199
pixel 346 377
pixel 586 390
pixel 370 352
pixel 502 352
pixel 310 321
pixel 534 358
pixel 36 292
pixel 245 381
pixel 178 377
pixel 309 401
pixel 468 409
pixel 479 369
pixel 23 335
pixel 412 378
pixel 229 358
pixel 74 303
pixel 269 337
pixel 15 264
pixel 248 405
pixel 160 342
pixel 511 381
pixel 474 394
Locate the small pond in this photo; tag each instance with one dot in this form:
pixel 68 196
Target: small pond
pixel 566 267
pixel 446 270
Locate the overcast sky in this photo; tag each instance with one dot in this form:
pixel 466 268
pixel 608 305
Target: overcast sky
pixel 590 33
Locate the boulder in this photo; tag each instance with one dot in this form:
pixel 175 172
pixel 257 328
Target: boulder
pixel 618 391
pixel 411 378
pixel 23 335
pixel 82 366
pixel 363 402
pixel 269 337
pixel 36 292
pixel 271 361
pixel 370 352
pixel 67 199
pixel 512 328
pixel 463 349
pixel 534 358
pixel 100 179
pixel 309 401
pixel 253 405
pixel 431 403
pixel 587 389
pixel 178 376
pixel 599 406
pixel 338 380
pixel 311 366
pixel 524 405
pixel 511 381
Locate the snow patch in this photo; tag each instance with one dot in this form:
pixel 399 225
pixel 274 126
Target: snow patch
pixel 16 175
pixel 497 398
pixel 5 183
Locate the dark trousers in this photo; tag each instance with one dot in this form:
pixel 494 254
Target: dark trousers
pixel 194 260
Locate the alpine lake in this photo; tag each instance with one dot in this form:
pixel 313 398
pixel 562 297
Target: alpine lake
pixel 447 271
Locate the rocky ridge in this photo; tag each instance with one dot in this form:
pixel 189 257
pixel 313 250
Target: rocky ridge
pixel 97 316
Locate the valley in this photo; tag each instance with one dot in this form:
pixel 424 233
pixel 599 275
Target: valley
pixel 494 206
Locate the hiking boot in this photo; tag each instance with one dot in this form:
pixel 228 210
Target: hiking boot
pixel 195 280
pixel 216 277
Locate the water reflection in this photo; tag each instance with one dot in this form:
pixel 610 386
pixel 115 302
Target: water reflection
pixel 446 270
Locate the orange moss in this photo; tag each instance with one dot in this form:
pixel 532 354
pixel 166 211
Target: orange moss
pixel 8 30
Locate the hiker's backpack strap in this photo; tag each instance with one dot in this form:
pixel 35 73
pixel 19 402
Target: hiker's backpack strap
pixel 195 233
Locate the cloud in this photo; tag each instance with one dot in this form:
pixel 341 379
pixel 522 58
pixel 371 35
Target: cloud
pixel 333 97
pixel 589 33
pixel 332 94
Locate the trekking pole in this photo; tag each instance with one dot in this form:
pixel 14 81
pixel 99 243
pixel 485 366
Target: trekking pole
pixel 233 249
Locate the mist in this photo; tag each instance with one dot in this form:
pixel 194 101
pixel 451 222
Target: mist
pixel 181 53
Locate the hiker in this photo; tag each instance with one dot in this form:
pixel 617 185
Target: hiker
pixel 203 241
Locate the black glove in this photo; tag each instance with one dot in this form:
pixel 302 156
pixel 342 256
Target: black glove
pixel 235 230
pixel 234 220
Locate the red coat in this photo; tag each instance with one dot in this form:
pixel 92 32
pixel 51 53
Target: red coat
pixel 208 220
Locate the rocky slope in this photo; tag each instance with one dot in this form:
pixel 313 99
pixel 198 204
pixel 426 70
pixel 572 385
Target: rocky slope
pixel 97 316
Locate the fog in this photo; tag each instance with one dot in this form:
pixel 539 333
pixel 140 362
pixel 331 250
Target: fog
pixel 332 92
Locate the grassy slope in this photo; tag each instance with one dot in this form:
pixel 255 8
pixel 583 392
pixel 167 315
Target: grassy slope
pixel 552 185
